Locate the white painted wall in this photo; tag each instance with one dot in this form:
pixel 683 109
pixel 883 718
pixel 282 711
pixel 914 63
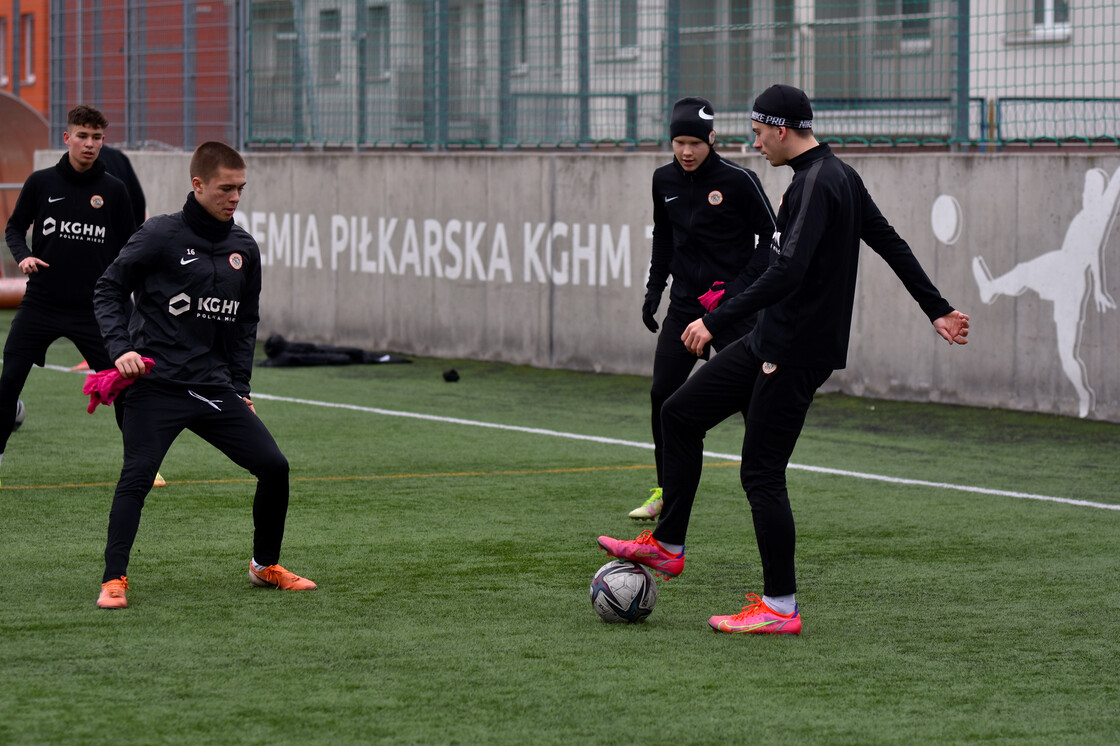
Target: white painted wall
pixel 541 259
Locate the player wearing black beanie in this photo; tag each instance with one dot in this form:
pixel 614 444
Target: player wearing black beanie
pixel 712 226
pixel 804 300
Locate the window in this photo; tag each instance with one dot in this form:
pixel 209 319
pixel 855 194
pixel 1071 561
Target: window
pixel 467 47
pixel 377 44
pixel 716 52
pixel 3 51
pixel 627 23
pixel 915 20
pixel 558 39
pixel 1050 13
pixel 27 41
pixel 784 28
pixel 330 47
pixel 618 39
pixel 1039 21
pixel 902 26
pixel 518 33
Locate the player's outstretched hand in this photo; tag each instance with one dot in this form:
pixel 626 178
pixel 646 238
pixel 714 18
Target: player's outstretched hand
pixel 953 327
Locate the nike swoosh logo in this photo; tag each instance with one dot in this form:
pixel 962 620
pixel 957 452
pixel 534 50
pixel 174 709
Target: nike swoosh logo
pixel 670 199
pixel 704 113
pixel 52 200
pixel 184 260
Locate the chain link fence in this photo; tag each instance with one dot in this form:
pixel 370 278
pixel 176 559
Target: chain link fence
pixel 446 74
pixel 166 73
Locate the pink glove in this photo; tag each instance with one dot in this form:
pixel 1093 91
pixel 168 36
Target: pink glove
pixel 104 386
pixel 711 299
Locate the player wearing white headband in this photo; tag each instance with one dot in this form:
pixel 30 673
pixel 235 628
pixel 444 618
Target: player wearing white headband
pixel 804 302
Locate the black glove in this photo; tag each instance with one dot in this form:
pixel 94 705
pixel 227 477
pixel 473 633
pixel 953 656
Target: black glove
pixel 649 308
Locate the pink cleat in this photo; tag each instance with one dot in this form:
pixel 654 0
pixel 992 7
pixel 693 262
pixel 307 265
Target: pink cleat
pixel 757 618
pixel 645 550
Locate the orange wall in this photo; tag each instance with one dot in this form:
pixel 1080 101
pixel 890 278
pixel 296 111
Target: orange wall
pixel 35 94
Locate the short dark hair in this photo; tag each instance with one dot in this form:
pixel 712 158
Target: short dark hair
pixel 86 116
pixel 210 156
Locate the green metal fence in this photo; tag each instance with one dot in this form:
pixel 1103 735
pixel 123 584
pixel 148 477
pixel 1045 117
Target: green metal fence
pixel 561 73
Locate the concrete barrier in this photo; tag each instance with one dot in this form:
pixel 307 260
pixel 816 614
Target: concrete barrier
pixel 541 259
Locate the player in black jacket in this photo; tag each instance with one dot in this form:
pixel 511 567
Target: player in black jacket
pixel 82 218
pixel 195 278
pixel 118 164
pixel 712 225
pixel 804 302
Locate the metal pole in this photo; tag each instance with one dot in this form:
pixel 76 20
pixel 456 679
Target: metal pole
pixel 302 90
pixel 57 104
pixel 428 73
pixel 443 85
pixel 961 89
pixel 362 41
pixel 584 72
pixel 241 81
pixel 190 85
pixel 17 50
pixel 97 55
pixel 672 52
pixel 506 108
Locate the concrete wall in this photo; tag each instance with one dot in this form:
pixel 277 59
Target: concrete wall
pixel 542 259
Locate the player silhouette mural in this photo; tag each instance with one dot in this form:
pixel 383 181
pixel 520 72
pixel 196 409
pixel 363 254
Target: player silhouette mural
pixel 1065 277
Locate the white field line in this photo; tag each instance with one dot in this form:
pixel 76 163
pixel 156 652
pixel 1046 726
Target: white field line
pixel 710 454
pixel 649 446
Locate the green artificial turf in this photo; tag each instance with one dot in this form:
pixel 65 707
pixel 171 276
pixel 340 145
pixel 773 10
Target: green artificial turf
pixel 453 562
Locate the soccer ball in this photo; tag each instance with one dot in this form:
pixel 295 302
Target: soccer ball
pixel 21 414
pixel 623 592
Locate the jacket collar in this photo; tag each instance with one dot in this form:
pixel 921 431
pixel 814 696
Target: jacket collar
pixel 810 157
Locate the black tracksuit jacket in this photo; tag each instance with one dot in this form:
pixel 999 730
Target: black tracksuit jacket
pixel 197 285
pixel 704 228
pixel 81 222
pixel 805 297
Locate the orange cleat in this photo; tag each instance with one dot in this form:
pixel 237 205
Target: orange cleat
pixel 112 594
pixel 275 576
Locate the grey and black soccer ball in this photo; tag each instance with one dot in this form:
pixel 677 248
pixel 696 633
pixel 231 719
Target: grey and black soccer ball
pixel 623 592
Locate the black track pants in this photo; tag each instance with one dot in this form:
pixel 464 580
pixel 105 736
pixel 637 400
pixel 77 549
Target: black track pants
pixel 33 331
pixel 775 406
pixel 154 416
pixel 672 365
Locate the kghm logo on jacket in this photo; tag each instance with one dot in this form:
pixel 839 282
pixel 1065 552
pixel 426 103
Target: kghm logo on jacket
pixel 74 229
pixel 211 309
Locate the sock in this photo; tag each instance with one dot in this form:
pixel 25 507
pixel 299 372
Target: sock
pixel 257 566
pixel 672 548
pixel 784 605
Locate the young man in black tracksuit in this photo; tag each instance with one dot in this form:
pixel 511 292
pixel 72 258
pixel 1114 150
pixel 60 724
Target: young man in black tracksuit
pixel 118 164
pixel 712 225
pixel 82 218
pixel 196 281
pixel 804 302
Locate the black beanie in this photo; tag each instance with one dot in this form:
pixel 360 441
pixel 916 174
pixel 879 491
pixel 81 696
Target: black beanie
pixel 692 117
pixel 783 106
